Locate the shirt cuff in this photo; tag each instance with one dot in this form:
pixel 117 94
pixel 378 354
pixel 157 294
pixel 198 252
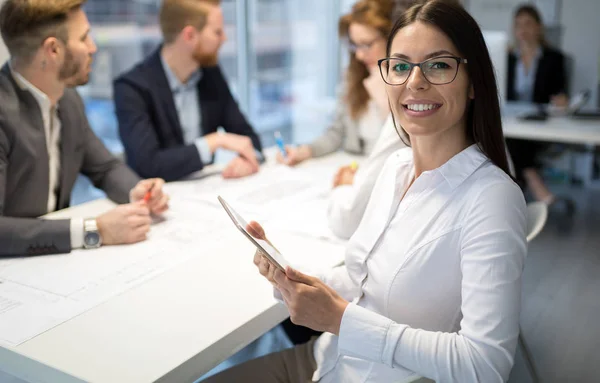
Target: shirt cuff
pixel 259 156
pixel 277 295
pixel 76 233
pixel 367 335
pixel 203 150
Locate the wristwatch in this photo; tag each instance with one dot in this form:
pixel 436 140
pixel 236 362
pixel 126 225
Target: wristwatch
pixel 91 235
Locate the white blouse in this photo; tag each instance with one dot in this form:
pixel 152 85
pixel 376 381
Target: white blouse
pixel 434 277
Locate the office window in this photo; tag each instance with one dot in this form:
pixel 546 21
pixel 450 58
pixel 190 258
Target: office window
pixel 280 59
pixel 128 31
pixel 293 66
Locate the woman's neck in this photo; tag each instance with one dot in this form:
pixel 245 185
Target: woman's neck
pixel 528 48
pixel 431 152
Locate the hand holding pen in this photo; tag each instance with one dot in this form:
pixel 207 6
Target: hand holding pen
pixel 345 175
pixel 290 155
pixel 150 192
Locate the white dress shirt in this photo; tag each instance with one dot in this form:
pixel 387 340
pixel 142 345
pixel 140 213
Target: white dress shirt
pixel 187 103
pixel 525 79
pixel 52 130
pixel 52 127
pixel 347 203
pixel 369 127
pixel 434 277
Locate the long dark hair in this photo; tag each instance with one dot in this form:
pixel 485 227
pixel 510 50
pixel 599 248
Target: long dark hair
pixel 531 11
pixel 484 124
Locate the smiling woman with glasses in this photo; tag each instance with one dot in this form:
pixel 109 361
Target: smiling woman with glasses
pixel 431 284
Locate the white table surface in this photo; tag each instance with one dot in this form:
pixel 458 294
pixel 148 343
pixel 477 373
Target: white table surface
pixel 177 326
pixel 555 129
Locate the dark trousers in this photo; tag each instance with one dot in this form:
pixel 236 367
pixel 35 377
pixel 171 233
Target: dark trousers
pixel 294 365
pixel 298 334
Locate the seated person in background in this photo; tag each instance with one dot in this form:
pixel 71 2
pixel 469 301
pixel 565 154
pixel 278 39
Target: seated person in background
pixel 536 74
pixel 352 187
pixel 363 107
pixel 45 139
pixel 431 284
pixel 170 105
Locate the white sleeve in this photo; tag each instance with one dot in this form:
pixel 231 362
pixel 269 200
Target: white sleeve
pixel 76 233
pixel 493 250
pixel 347 203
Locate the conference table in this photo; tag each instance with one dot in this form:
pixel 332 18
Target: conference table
pixel 556 129
pixel 190 296
pixel 564 129
pixel 197 300
pixel 559 129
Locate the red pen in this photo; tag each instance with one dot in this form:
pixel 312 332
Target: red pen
pixel 148 194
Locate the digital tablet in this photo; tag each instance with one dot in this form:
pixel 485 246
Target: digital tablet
pixel 268 250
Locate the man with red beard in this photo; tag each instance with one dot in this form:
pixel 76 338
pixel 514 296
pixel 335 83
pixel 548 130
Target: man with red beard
pixel 170 105
pixel 46 141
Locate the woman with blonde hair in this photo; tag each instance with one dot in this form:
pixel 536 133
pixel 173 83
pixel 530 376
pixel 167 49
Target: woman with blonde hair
pixel 363 107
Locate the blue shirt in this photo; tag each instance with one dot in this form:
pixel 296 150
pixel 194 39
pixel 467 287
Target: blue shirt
pixel 525 80
pixel 187 104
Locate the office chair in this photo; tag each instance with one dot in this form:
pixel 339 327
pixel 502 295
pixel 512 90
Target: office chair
pixel 537 214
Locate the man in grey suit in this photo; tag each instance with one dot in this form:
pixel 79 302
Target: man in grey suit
pixel 46 141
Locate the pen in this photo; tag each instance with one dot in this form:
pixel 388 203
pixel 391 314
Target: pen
pixel 280 144
pixel 354 166
pixel 148 194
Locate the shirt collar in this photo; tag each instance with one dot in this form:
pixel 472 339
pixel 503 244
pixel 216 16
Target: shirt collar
pixel 461 166
pixel 174 83
pixel 42 99
pixel 536 56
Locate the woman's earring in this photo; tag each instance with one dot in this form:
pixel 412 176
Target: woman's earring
pixel 43 64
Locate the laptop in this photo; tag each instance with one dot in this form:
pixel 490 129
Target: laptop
pixel 576 111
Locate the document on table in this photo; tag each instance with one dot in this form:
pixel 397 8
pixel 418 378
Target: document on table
pixel 38 293
pixel 272 189
pixel 307 219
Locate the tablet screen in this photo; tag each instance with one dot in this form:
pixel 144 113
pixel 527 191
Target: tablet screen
pixel 272 254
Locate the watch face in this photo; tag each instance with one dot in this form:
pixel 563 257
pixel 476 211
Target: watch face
pixel 92 239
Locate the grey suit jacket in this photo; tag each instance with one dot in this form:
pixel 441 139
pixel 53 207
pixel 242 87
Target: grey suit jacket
pixel 24 169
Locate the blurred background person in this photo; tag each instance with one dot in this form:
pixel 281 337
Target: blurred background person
pixel 362 106
pixel 352 185
pixel 170 105
pixel 536 74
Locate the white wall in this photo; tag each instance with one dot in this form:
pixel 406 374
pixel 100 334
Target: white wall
pixel 580 34
pixel 581 40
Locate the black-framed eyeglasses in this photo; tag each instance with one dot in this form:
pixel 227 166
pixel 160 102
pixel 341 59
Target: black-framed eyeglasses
pixel 353 47
pixel 437 71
